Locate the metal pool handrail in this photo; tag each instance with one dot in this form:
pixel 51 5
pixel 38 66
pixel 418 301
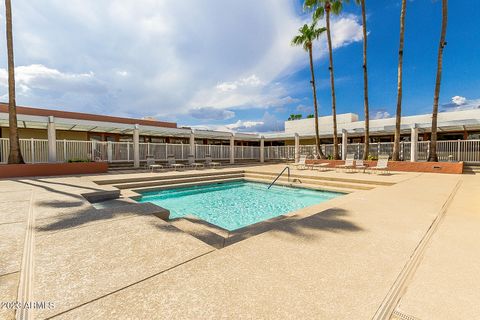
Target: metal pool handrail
pixel 288 171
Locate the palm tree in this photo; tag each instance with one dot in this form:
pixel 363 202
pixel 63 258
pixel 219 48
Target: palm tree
pixel 15 155
pixel 365 81
pixel 320 9
pixel 396 143
pixel 307 34
pixel 433 141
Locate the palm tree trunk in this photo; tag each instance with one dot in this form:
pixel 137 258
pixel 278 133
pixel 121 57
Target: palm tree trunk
pixel 433 141
pixel 15 155
pixel 315 106
pixel 365 84
pixel 332 83
pixel 396 143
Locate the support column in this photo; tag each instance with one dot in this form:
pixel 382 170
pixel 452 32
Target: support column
pixel 344 144
pixel 297 147
pixel 52 140
pixel 413 144
pixel 262 149
pixel 232 149
pixel 136 147
pixel 192 144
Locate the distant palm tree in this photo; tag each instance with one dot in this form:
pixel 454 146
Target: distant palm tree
pixel 396 143
pixel 365 81
pixel 323 8
pixel 15 155
pixel 433 141
pixel 308 34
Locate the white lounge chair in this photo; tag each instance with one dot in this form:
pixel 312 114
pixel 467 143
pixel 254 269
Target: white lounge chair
pixel 192 163
pixel 300 165
pixel 360 165
pixel 173 164
pixel 382 164
pixel 151 164
pixel 348 162
pixel 210 163
pixel 319 166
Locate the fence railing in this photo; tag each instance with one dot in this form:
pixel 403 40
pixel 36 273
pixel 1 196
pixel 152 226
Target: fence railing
pixel 36 151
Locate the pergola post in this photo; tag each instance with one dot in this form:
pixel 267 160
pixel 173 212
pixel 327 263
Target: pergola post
pixel 413 143
pixel 262 149
pixel 232 149
pixel 344 144
pixel 297 147
pixel 136 147
pixel 192 144
pixel 52 140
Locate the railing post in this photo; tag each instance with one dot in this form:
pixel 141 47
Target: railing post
pixel 32 150
pixel 52 140
pixel 110 151
pixel 413 144
pixel 64 150
pixel 344 144
pixel 262 149
pixel 232 149
pixel 297 147
pixel 458 150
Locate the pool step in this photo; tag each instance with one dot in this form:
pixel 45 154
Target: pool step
pixel 176 180
pixel 311 181
pixel 186 184
pixel 158 176
pixel 302 185
pixel 323 178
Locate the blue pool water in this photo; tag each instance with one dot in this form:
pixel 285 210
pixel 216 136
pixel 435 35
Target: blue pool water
pixel 235 205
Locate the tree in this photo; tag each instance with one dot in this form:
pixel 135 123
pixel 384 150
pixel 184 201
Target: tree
pixel 323 8
pixel 432 156
pixel 15 155
pixel 307 34
pixel 365 82
pixel 396 143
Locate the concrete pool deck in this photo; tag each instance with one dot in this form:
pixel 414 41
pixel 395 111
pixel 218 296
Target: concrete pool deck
pixel 337 260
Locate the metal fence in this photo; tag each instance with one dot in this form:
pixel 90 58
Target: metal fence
pixel 36 151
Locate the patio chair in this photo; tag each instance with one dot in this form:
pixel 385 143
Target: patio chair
pixel 348 162
pixel 151 164
pixel 192 163
pixel 173 164
pixel 319 166
pixel 360 165
pixel 210 163
pixel 382 164
pixel 300 165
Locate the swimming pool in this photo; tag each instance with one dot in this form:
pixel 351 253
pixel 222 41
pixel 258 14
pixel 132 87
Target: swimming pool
pixel 235 205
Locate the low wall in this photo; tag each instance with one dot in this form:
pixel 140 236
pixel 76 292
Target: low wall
pixel 51 169
pixel 435 167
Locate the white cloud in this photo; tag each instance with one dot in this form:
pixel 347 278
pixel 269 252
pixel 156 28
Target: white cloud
pixel 459 103
pixel 160 57
pixel 268 123
pixel 381 114
pixel 458 100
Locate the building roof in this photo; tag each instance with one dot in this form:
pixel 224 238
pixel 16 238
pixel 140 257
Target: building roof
pixel 86 116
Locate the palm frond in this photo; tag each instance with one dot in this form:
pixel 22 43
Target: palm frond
pixel 318 14
pixel 337 7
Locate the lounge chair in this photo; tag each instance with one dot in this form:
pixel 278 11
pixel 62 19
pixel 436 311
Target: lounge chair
pixel 319 166
pixel 172 163
pixel 210 163
pixel 192 163
pixel 348 162
pixel 151 164
pixel 382 164
pixel 300 165
pixel 360 165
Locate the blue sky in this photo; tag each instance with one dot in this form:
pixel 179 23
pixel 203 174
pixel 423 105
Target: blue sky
pixel 229 65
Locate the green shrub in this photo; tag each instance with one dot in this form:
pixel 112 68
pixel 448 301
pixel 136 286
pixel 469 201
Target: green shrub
pixel 78 160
